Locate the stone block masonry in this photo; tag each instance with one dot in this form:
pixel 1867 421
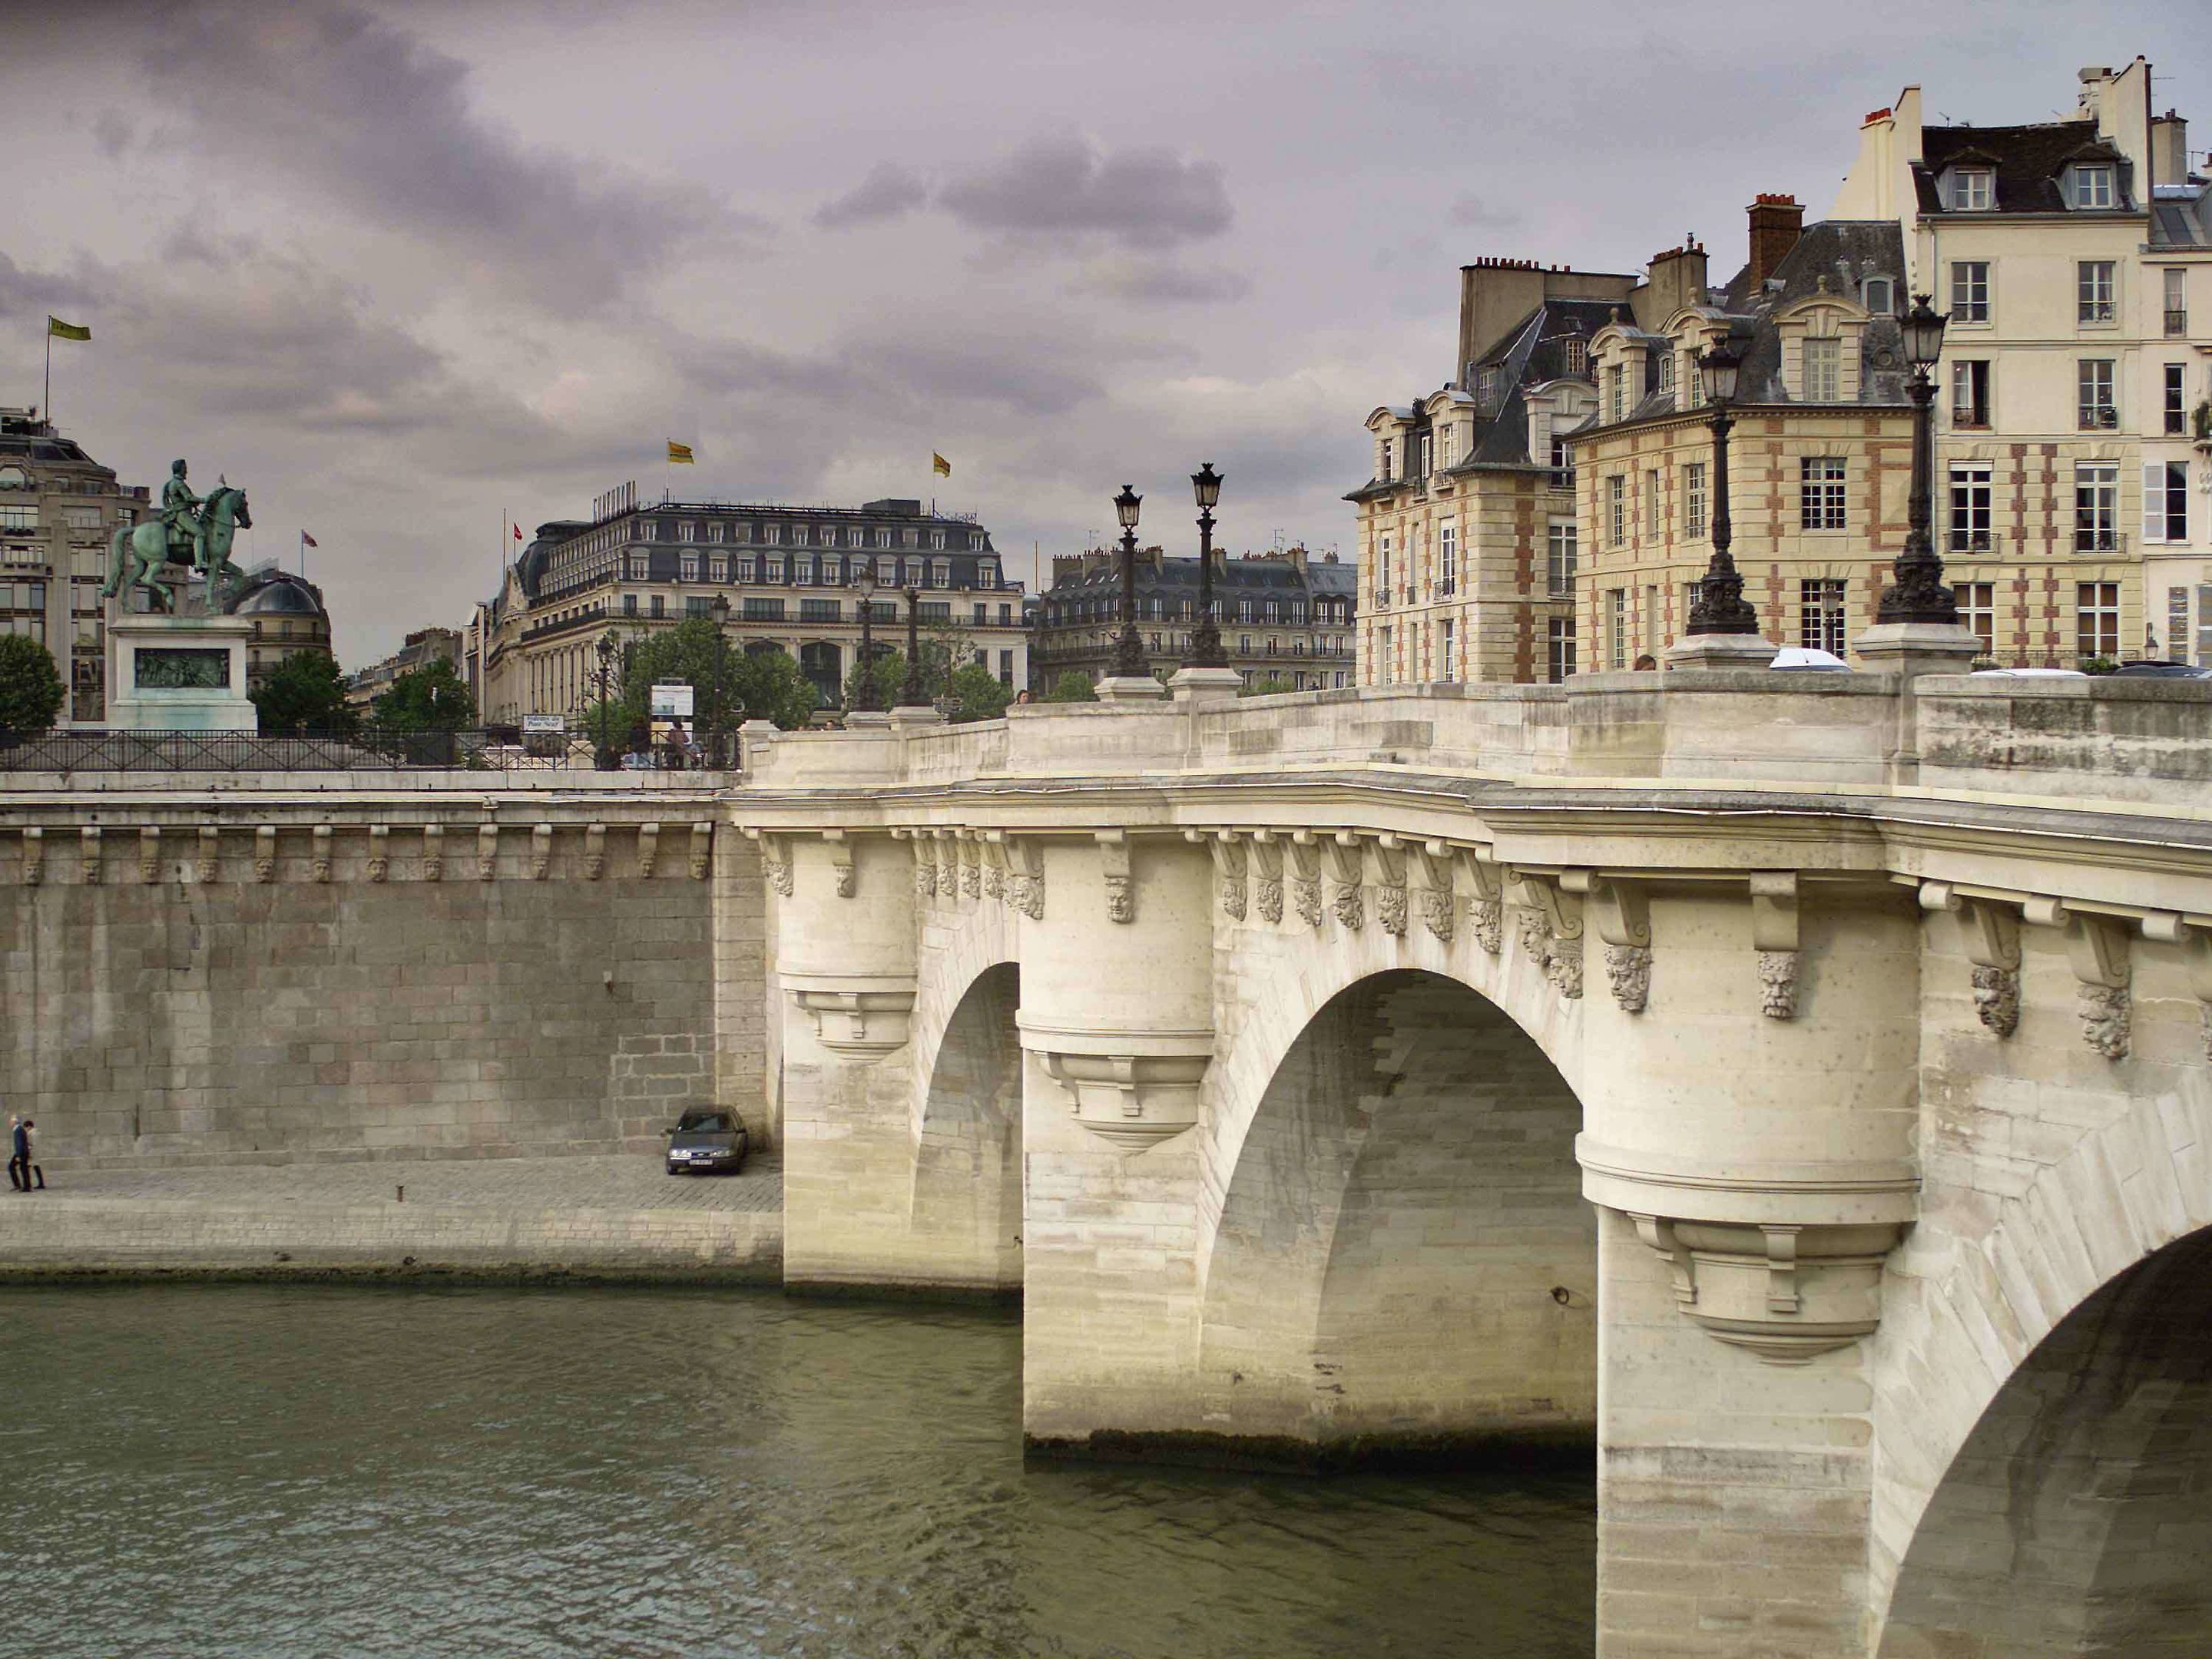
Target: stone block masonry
pixel 353 989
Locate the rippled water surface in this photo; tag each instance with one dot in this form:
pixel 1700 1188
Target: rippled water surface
pixel 195 1471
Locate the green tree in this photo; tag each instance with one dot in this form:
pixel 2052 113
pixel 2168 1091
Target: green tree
pixel 981 696
pixel 1073 686
pixel 939 648
pixel 1267 686
pixel 431 698
pixel 30 685
pixel 771 688
pixel 727 685
pixel 303 693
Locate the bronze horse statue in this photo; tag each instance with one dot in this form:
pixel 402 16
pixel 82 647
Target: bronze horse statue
pixel 140 553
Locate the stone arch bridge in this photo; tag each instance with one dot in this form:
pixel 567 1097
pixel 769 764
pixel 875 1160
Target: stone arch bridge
pixel 1795 1086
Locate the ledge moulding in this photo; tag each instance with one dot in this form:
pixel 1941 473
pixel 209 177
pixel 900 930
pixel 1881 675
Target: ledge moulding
pixel 1131 1089
pixel 863 1017
pixel 1782 1292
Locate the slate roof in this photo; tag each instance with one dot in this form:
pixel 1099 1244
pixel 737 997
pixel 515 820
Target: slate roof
pixel 2181 215
pixel 1154 576
pixel 2028 162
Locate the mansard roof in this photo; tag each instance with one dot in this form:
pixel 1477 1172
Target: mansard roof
pixel 2028 162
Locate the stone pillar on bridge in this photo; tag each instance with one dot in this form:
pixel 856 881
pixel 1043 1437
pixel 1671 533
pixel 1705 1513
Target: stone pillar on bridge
pixel 1748 1136
pixel 844 934
pixel 1116 1024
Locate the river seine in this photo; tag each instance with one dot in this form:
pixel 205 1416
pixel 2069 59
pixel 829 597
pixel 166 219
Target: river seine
pixel 193 1471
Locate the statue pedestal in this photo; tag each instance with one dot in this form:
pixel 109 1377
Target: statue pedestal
pixel 178 674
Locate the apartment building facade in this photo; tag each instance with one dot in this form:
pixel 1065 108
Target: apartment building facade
pixel 2070 490
pixel 788 574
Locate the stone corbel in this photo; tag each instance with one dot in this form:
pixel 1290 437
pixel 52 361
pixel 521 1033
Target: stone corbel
pixel 1782 1292
pixel 1990 933
pixel 1347 869
pixel 34 856
pixel 1230 863
pixel 703 850
pixel 2167 928
pixel 1132 1089
pixel 209 860
pixel 1388 854
pixel 866 1018
pixel 1432 867
pixel 1774 937
pixel 648 849
pixel 1025 876
pixel 1622 913
pixel 149 854
pixel 434 852
pixel 487 852
pixel 1551 926
pixel 541 851
pixel 264 852
pixel 839 846
pixel 946 851
pixel 775 861
pixel 87 852
pixel 1267 875
pixel 925 862
pixel 969 851
pixel 1114 866
pixel 2097 950
pixel 320 840
pixel 380 851
pixel 595 851
pixel 994 865
pixel 1305 877
pixel 1486 910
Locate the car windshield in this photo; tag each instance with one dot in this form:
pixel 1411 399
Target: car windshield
pixel 704 1123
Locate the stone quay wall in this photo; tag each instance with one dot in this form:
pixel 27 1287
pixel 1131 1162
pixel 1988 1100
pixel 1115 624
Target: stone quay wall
pixel 197 974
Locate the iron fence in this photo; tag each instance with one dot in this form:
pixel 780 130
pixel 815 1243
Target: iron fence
pixel 314 752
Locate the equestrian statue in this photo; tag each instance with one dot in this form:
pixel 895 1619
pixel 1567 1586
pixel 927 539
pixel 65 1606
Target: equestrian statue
pixel 188 528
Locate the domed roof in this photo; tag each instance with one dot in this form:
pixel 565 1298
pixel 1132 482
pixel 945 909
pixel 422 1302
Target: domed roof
pixel 280 596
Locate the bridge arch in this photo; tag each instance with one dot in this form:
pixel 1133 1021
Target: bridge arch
pixel 1402 1257
pixel 2060 1376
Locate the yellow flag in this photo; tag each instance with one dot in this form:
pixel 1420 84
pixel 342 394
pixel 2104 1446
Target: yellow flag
pixel 939 466
pixel 680 453
pixel 62 331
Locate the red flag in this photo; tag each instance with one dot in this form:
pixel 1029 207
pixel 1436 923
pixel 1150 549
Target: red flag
pixel 517 533
pixel 309 541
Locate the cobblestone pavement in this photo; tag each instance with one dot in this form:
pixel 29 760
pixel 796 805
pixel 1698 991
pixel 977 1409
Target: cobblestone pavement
pixel 633 1181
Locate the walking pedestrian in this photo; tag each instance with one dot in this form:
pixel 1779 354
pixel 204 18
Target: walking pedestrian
pixel 17 1180
pixel 31 1156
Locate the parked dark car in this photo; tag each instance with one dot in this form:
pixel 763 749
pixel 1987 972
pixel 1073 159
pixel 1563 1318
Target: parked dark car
pixel 707 1143
pixel 2161 671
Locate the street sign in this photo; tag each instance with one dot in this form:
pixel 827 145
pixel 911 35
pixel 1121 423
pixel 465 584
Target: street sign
pixel 544 725
pixel 671 703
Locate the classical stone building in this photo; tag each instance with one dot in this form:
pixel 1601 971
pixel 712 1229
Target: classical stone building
pixel 1287 615
pixel 2069 488
pixel 287 615
pixel 419 650
pixel 1821 456
pixel 58 508
pixel 787 573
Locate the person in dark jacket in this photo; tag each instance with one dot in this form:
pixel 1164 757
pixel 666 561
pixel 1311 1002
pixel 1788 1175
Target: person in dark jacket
pixel 19 1154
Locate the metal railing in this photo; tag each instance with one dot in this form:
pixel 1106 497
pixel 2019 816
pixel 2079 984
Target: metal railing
pixel 2176 324
pixel 249 752
pixel 2093 539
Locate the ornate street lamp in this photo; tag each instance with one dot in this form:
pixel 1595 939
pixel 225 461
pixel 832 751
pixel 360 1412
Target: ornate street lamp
pixel 910 695
pixel 1129 649
pixel 865 700
pixel 604 758
pixel 1205 650
pixel 1918 595
pixel 1720 607
pixel 718 609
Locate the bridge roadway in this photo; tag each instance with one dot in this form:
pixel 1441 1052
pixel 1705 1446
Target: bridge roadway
pixel 1795 1086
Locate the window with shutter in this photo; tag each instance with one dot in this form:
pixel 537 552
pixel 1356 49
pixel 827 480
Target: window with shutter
pixel 2153 502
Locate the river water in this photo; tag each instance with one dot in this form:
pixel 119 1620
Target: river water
pixel 192 1471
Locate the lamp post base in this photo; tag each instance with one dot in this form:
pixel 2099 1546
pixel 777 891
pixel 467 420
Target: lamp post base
pixel 1916 648
pixel 1130 687
pixel 867 719
pixel 1206 684
pixel 1697 651
pixel 914 713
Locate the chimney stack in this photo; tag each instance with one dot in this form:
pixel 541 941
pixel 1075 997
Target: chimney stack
pixel 2169 150
pixel 1777 222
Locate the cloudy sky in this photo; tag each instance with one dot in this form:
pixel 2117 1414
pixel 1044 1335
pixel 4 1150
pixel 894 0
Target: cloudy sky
pixel 404 268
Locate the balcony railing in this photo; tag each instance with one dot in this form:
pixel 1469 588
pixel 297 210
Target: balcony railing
pixel 2176 324
pixel 1960 539
pixel 2096 539
pixel 2099 417
pixel 248 752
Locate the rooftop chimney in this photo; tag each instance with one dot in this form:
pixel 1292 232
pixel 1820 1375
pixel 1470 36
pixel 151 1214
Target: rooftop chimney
pixel 1777 222
pixel 1677 279
pixel 2169 150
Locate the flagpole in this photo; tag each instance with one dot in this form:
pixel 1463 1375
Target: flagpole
pixel 50 371
pixel 303 553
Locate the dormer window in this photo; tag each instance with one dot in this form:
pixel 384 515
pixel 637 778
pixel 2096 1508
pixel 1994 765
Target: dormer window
pixel 1485 381
pixel 1973 190
pixel 2093 184
pixel 1428 453
pixel 1574 355
pixel 1879 294
pixel 1666 371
